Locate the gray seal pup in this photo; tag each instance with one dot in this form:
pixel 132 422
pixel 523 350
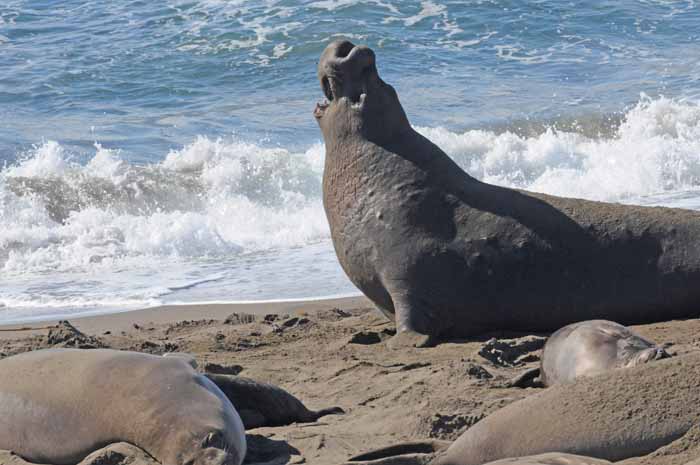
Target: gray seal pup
pixel 60 405
pixel 616 415
pixel 446 255
pixel 589 348
pixel 262 404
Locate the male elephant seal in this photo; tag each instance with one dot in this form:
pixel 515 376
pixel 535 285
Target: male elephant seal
pixel 592 347
pixel 261 404
pixel 447 255
pixel 59 405
pixel 613 416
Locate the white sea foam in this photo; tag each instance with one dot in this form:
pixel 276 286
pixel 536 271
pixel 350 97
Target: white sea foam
pixel 429 9
pixel 656 149
pixel 212 198
pixel 333 5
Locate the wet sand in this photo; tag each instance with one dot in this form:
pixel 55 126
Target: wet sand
pixel 334 353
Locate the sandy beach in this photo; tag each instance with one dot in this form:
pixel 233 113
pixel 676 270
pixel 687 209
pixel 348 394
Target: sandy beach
pixel 334 353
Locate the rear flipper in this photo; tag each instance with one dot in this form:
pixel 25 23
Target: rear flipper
pixel 325 411
pixel 407 453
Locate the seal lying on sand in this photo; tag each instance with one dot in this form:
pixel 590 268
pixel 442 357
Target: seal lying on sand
pixel 550 458
pixel 59 405
pixel 261 404
pixel 592 347
pixel 447 255
pixel 613 416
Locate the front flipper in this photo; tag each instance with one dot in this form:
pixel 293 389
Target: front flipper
pixel 409 338
pixel 417 324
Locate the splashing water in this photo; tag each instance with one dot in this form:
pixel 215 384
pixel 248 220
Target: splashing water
pixel 155 153
pixel 230 220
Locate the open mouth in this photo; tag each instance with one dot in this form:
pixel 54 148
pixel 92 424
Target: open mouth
pixel 333 90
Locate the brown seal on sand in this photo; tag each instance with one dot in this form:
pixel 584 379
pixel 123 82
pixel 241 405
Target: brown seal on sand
pixel 613 416
pixel 59 405
pixel 592 347
pixel 446 255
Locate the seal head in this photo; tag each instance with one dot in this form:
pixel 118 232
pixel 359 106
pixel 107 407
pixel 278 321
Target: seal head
pixel 357 100
pixel 589 348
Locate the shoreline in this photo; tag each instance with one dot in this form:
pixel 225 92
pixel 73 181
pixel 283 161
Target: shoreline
pixel 170 313
pixel 329 358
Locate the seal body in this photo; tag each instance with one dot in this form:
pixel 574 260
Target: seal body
pixel 613 416
pixel 261 404
pixel 592 347
pixel 552 458
pixel 447 255
pixel 59 405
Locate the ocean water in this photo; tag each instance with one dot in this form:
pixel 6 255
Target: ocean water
pixel 165 152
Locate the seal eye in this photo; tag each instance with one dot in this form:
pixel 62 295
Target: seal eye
pixel 327 88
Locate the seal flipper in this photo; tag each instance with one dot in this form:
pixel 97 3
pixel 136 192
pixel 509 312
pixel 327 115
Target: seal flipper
pixel 327 411
pixel 409 338
pixel 407 453
pixel 414 327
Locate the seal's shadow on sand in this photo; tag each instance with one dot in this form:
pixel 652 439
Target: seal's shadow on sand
pixel 266 451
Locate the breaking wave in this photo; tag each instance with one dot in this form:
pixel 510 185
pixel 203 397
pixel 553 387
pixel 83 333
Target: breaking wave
pixel 111 233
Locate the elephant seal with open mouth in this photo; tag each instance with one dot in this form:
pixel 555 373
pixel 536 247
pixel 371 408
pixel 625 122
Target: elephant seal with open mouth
pixel 592 347
pixel 446 255
pixel 59 405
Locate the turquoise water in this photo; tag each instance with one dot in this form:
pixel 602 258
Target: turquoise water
pixel 166 152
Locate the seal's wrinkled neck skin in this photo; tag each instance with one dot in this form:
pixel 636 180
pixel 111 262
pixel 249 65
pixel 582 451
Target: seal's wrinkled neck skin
pixel 357 100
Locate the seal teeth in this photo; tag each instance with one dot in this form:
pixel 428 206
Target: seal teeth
pixel 360 101
pixel 327 89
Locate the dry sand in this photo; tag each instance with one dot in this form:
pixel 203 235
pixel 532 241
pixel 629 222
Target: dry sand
pixel 333 353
